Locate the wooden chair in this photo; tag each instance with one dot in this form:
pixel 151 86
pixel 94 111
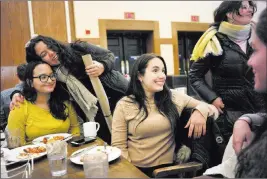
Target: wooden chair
pixel 184 170
pixel 178 171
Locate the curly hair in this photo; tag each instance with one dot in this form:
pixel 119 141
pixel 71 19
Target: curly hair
pixel 57 97
pixel 68 53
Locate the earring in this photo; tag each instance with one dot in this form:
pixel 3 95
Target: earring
pixel 231 21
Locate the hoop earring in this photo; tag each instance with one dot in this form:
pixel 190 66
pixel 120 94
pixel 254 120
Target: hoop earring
pixel 232 21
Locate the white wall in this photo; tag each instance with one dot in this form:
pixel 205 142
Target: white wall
pixel 87 13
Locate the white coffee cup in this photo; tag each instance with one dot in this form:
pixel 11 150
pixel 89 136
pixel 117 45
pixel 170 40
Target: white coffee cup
pixel 90 129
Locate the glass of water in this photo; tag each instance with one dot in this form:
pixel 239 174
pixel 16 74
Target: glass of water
pixel 57 157
pixel 95 165
pixel 13 138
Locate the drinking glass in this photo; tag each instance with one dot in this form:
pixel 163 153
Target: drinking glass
pixel 13 138
pixel 57 157
pixel 95 165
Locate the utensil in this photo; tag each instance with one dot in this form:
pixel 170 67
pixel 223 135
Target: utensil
pixel 83 151
pixel 68 137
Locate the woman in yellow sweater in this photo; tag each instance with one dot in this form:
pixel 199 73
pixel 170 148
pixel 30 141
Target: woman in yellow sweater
pixel 46 109
pixel 145 121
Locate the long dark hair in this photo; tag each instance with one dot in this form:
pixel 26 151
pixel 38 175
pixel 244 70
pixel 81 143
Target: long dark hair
pixel 261 27
pixel 57 97
pixel 250 163
pixel 67 53
pixel 220 13
pixel 163 99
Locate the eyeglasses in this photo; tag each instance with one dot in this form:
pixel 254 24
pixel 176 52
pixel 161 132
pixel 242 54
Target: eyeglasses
pixel 247 7
pixel 44 78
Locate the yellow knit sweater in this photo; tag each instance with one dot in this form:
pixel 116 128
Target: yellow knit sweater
pixel 34 121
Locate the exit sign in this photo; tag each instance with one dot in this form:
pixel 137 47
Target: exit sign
pixel 194 18
pixel 129 15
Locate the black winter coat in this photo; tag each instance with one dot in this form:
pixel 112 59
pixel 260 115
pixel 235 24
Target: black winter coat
pixel 232 78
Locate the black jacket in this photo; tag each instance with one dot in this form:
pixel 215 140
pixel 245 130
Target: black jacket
pixel 232 78
pixel 110 78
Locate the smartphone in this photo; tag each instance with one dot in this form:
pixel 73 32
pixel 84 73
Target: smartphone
pixel 77 141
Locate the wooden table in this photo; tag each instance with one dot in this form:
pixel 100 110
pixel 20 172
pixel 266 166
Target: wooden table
pixel 119 168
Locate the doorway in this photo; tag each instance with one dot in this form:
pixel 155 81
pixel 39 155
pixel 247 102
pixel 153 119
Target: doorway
pixel 186 44
pixel 127 46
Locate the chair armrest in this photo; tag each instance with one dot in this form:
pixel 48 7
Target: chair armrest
pixel 176 169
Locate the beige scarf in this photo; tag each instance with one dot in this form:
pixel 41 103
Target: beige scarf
pixel 209 44
pixel 85 99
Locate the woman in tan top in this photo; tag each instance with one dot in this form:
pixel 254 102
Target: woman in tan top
pixel 145 121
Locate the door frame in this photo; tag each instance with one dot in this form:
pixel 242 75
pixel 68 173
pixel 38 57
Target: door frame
pixel 112 24
pixel 183 26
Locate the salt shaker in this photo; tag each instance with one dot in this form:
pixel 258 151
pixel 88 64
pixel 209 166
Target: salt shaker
pixel 3 166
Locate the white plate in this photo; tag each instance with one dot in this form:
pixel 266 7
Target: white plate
pixel 113 153
pixel 13 154
pixel 40 139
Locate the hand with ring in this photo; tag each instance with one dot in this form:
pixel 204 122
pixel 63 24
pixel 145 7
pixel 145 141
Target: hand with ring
pixel 95 70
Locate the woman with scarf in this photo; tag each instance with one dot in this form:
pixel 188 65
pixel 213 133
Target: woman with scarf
pixel 66 59
pixel 224 50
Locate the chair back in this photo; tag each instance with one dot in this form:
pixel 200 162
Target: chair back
pixel 20 171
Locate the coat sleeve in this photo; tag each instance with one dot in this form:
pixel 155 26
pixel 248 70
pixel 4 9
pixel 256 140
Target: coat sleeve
pixel 102 55
pixel 197 74
pixel 120 131
pixel 255 120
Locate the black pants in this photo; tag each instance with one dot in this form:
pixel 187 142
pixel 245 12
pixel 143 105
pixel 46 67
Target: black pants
pixel 209 149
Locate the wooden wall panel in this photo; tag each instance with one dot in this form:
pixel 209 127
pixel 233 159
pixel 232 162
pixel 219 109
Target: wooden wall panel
pixel 8 77
pixel 95 41
pixel 49 19
pixel 72 21
pixel 15 32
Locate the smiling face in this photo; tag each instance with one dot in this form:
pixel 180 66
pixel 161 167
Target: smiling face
pixel 258 61
pixel 43 87
pixel 47 54
pixel 154 77
pixel 245 14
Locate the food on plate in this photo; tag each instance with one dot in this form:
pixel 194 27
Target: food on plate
pixel 81 159
pixel 45 140
pixel 107 151
pixel 39 149
pixel 54 138
pixel 31 152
